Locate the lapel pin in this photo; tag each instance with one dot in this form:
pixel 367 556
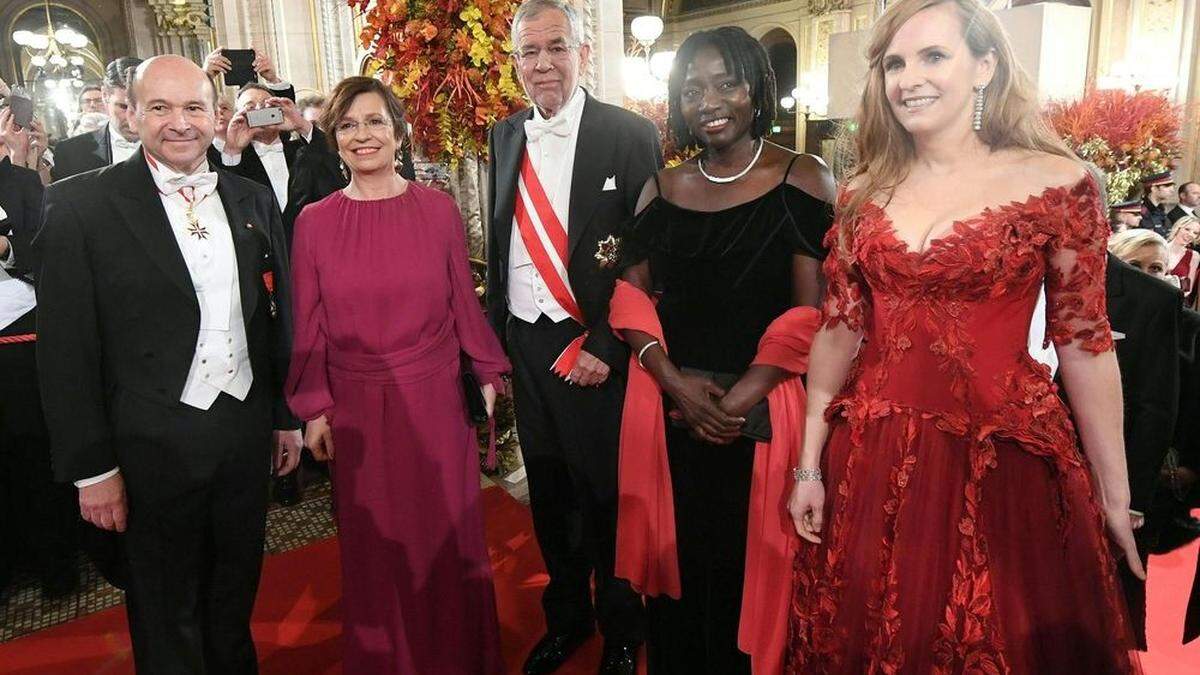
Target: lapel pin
pixel 249 226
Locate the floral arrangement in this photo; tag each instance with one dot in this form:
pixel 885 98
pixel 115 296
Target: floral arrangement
pixel 449 61
pixel 1127 135
pixel 656 111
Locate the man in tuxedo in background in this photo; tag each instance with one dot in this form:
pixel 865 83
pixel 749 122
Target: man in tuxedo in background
pixel 1189 199
pixel 110 144
pixel 164 337
pixel 590 160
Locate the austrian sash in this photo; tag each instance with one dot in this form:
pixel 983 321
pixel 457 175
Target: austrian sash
pixel 546 240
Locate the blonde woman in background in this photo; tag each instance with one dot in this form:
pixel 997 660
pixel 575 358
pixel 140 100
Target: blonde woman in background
pixel 1183 260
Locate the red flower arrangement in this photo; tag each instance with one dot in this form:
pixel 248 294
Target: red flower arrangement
pixel 1127 135
pixel 449 61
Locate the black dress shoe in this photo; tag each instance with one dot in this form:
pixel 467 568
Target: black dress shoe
pixel 619 659
pixel 553 650
pixel 287 490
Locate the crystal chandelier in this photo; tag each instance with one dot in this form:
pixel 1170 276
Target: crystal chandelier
pixel 54 51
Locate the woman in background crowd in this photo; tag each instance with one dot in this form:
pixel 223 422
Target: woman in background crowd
pixel 1183 260
pixel 385 306
pixel 962 529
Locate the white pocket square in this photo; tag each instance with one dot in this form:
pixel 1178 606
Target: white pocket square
pixel 610 183
pixel 4 216
pixel 1118 335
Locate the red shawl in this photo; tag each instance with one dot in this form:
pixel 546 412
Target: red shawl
pixel 646 553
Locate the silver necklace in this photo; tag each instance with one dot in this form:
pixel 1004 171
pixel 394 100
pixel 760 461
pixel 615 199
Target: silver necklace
pixel 730 179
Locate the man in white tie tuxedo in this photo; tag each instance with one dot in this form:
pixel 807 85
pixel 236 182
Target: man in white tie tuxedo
pixel 164 336
pixel 565 175
pixel 110 144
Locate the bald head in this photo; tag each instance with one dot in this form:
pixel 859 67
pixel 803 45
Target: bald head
pixel 172 106
pixel 166 67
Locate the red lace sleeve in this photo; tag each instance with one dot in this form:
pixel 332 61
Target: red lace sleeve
pixel 844 300
pixel 1075 266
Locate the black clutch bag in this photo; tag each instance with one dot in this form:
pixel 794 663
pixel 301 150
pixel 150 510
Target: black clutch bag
pixel 758 418
pixel 476 406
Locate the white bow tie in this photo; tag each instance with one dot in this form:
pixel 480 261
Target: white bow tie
pixel 201 183
pixel 265 148
pixel 558 125
pixel 120 143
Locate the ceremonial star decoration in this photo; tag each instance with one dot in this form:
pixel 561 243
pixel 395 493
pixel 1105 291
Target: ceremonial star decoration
pixel 608 252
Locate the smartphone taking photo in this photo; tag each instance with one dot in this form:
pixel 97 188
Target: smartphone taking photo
pixel 21 106
pixel 264 117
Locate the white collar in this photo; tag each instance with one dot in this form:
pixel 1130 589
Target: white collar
pixel 114 133
pixel 573 110
pixel 164 175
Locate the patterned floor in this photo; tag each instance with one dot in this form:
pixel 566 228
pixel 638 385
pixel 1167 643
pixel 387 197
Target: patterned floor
pixel 23 611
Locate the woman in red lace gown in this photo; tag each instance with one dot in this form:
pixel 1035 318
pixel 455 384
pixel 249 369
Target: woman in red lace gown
pixel 958 527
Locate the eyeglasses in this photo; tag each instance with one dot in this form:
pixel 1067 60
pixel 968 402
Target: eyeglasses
pixel 532 55
pixel 349 127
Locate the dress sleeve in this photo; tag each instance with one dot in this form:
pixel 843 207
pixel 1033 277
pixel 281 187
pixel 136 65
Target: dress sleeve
pixel 845 302
pixel 475 335
pixel 307 387
pixel 1076 257
pixel 636 236
pixel 810 219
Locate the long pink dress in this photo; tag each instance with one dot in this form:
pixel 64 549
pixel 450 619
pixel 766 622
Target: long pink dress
pixel 384 301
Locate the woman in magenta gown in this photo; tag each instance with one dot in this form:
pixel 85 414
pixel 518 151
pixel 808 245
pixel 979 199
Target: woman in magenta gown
pixel 958 527
pixel 384 306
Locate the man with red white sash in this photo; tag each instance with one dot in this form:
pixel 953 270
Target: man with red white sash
pixel 565 174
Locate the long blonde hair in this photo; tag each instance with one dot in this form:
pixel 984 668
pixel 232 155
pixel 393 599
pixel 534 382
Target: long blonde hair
pixel 1011 116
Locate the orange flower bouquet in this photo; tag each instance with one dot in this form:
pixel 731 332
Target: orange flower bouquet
pixel 1127 135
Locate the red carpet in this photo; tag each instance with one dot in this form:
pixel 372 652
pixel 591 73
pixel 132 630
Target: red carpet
pixel 296 621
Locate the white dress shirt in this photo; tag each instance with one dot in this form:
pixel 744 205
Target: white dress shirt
pixel 553 157
pixel 1189 210
pixel 121 149
pixel 221 360
pixel 1038 349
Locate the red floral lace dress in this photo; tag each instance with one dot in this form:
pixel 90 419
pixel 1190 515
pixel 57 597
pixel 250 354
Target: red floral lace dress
pixel 962 533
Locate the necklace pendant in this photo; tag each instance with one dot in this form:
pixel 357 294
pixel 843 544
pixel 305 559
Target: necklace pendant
pixel 194 227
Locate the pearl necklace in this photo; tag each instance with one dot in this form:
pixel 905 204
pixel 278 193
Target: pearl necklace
pixel 730 179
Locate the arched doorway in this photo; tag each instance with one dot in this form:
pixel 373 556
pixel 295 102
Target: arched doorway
pixel 781 50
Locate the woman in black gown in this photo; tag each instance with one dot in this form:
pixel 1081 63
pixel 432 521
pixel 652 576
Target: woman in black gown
pixel 727 242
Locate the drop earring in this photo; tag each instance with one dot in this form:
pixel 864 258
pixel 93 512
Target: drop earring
pixel 342 166
pixel 977 121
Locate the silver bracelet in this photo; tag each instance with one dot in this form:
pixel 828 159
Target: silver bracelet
pixel 807 475
pixel 642 352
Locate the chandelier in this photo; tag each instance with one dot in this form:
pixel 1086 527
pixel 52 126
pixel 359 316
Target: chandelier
pixel 56 51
